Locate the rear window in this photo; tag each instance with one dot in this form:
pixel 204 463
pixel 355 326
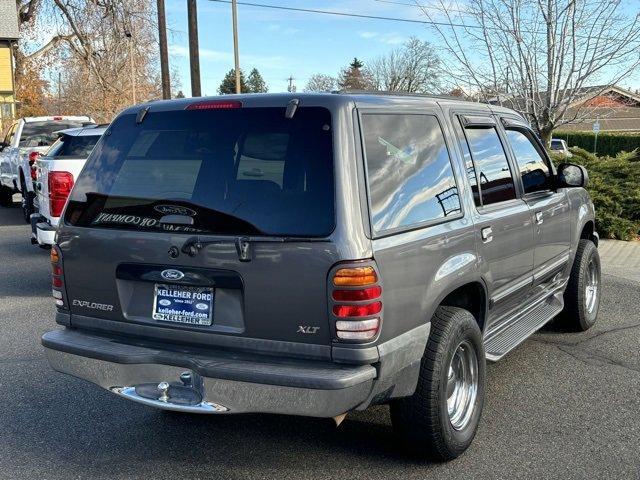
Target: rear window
pixel 42 134
pixel 73 146
pixel 246 171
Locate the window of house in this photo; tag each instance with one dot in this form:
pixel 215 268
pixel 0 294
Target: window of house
pixel 533 167
pixel 496 181
pixel 409 172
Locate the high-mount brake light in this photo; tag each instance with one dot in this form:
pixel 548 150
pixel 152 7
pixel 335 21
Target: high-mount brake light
pixel 57 118
pixel 355 276
pixel 357 317
pixel 215 105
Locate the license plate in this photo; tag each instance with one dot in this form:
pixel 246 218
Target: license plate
pixel 175 303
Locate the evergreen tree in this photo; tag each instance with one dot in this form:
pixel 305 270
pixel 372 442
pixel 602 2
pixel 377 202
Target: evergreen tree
pixel 256 83
pixel 228 84
pixel 354 77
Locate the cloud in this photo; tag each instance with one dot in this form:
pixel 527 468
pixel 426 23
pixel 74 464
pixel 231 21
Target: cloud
pixel 389 38
pixel 277 28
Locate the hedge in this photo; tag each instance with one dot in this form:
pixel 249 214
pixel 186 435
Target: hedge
pixel 614 186
pixel 608 143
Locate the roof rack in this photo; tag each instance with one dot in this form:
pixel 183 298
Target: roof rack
pixel 398 94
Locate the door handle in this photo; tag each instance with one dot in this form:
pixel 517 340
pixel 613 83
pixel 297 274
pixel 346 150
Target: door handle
pixel 487 234
pixel 539 219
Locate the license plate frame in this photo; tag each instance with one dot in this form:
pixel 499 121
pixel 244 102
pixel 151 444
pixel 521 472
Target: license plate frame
pixel 170 298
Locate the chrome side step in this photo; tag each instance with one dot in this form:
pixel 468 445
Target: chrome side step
pixel 497 344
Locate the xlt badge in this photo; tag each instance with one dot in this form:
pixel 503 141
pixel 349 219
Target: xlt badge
pixel 307 330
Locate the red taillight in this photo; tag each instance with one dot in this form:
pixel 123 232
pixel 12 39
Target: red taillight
pixel 358 318
pixel 57 273
pixel 215 105
pixel 359 295
pixel 33 157
pixel 357 310
pixel 57 119
pixel 60 185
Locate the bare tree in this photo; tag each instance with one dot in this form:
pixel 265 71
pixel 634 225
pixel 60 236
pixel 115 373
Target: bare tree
pixel 539 56
pixel 321 83
pixel 413 67
pixel 105 50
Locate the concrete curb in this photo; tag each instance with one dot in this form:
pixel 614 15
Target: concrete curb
pixel 621 259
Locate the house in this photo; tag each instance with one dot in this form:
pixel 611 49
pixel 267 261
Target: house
pixel 615 109
pixel 8 37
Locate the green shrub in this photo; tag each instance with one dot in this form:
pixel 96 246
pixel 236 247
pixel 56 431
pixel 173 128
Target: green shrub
pixel 609 143
pixel 614 186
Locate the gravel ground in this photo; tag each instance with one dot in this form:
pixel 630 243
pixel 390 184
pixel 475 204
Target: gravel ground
pixel 560 406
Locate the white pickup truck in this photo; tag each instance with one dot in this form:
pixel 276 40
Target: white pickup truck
pixel 56 172
pixel 26 139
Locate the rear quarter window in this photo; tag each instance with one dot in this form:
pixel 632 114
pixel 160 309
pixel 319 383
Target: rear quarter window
pixel 409 172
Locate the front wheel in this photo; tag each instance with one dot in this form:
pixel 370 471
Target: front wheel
pixel 582 296
pixel 441 418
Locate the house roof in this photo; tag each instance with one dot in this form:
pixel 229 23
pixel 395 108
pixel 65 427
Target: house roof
pixel 8 20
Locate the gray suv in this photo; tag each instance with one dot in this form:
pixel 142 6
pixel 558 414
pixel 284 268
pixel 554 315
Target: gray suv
pixel 318 254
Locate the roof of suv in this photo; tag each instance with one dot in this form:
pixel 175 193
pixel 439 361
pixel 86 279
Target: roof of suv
pixel 88 131
pixel 53 118
pixel 360 99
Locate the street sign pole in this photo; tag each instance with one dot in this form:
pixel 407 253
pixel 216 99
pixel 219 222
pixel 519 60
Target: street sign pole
pixel 596 130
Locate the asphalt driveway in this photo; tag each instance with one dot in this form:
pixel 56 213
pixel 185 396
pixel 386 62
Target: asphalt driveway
pixel 560 406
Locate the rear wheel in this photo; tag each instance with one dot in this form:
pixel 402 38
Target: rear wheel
pixel 582 296
pixel 441 418
pixel 27 202
pixel 6 197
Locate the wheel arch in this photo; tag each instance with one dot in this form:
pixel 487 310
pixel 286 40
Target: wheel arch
pixel 471 296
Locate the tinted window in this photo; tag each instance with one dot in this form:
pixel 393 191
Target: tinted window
pixel 73 146
pixel 532 165
pixel 246 171
pixel 409 171
pixel 468 162
pixel 556 145
pixel 42 134
pixel 496 183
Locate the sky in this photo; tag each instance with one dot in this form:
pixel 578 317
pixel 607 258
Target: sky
pixel 284 43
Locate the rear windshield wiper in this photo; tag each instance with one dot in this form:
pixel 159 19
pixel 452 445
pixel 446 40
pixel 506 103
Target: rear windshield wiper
pixel 243 243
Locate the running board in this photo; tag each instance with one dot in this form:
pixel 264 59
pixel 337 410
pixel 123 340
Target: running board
pixel 505 339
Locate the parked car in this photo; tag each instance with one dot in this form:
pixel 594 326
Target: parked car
pixel 317 254
pixel 56 173
pixel 560 146
pixel 26 139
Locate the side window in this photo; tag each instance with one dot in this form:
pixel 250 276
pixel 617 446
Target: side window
pixel 468 164
pixel 409 172
pixel 496 182
pixel 534 170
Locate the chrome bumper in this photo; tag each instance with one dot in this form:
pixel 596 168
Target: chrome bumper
pixel 185 388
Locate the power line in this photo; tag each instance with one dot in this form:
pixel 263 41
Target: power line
pixel 353 15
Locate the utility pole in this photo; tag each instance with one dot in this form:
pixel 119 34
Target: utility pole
pixel 291 88
pixel 194 56
pixel 164 53
pixel 236 53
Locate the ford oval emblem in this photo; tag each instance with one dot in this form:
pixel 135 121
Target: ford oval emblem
pixel 172 274
pixel 175 210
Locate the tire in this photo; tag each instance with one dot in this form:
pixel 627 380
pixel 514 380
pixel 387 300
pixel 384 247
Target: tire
pixel 6 197
pixel 582 295
pixel 423 421
pixel 27 202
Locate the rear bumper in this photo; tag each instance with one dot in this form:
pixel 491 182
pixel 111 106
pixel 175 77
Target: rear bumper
pixel 218 383
pixel 42 232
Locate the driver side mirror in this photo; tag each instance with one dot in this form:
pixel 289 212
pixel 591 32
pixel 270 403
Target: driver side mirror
pixel 572 175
